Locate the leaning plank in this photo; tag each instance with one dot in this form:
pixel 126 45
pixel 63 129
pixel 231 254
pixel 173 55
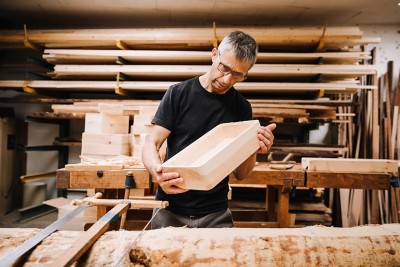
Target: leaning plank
pixel 350 165
pixel 309 246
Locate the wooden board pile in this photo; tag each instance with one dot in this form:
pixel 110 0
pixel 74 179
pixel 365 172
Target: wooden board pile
pixel 374 133
pixel 303 56
pixel 108 134
pixel 309 246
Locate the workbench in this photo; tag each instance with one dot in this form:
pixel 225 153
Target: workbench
pixel 279 184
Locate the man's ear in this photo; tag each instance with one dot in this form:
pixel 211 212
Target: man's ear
pixel 214 54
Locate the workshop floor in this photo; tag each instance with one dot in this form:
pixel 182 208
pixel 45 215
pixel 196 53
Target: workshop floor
pixel 38 218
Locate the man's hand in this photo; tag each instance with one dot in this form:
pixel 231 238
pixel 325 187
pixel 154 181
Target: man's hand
pixel 169 181
pixel 266 138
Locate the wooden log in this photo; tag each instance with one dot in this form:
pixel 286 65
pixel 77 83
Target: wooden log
pixel 309 246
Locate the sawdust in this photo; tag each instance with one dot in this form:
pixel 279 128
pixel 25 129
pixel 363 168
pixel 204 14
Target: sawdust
pixel 126 161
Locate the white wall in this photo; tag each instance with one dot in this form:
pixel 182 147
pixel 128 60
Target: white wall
pixel 389 47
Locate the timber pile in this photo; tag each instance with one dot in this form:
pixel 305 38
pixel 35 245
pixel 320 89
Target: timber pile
pixel 374 134
pixel 322 60
pixel 309 246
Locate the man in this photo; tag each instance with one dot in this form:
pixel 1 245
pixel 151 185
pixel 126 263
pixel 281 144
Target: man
pixel 187 111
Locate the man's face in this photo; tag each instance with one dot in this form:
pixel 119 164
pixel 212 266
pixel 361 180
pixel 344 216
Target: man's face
pixel 226 70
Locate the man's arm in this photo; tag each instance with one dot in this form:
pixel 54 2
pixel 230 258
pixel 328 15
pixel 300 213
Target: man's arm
pixel 152 161
pixel 266 139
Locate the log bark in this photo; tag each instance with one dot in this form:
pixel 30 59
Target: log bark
pixel 310 246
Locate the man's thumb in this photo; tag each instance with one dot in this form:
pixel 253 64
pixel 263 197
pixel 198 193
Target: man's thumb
pixel 271 126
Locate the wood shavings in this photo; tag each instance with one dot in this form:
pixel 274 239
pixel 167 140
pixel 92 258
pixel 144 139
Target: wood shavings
pixel 126 161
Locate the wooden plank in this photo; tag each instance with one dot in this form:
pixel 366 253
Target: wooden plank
pixel 109 178
pixel 349 165
pixel 159 86
pixel 70 56
pixel 330 72
pixel 355 180
pixel 88 238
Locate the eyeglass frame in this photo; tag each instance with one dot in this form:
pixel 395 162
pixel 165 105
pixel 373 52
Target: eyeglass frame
pixel 239 76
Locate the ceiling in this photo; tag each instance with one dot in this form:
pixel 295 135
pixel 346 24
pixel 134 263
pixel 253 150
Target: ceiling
pixel 169 13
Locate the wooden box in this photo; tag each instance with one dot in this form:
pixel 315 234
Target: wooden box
pixel 208 160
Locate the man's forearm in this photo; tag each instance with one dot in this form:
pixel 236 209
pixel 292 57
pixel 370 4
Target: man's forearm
pixel 151 158
pixel 245 168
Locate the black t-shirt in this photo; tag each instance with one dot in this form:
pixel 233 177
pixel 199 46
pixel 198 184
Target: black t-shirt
pixel 189 111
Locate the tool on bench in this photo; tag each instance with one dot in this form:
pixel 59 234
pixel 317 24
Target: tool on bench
pixel 284 164
pixel 129 183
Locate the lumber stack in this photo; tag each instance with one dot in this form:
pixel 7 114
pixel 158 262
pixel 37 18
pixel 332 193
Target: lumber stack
pixel 106 133
pixel 322 60
pixel 373 134
pixel 309 246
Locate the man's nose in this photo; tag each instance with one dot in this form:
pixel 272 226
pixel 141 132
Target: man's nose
pixel 227 78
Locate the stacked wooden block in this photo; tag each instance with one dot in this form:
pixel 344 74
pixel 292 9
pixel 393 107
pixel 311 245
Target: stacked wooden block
pixel 106 133
pixel 141 129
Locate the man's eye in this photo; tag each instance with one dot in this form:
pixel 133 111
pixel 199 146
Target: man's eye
pixel 225 68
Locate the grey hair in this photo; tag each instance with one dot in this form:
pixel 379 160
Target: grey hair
pixel 243 45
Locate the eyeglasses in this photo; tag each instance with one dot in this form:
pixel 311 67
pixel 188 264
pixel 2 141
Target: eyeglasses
pixel 237 76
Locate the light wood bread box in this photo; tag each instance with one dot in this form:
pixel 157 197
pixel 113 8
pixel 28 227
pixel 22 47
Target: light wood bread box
pixel 208 160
